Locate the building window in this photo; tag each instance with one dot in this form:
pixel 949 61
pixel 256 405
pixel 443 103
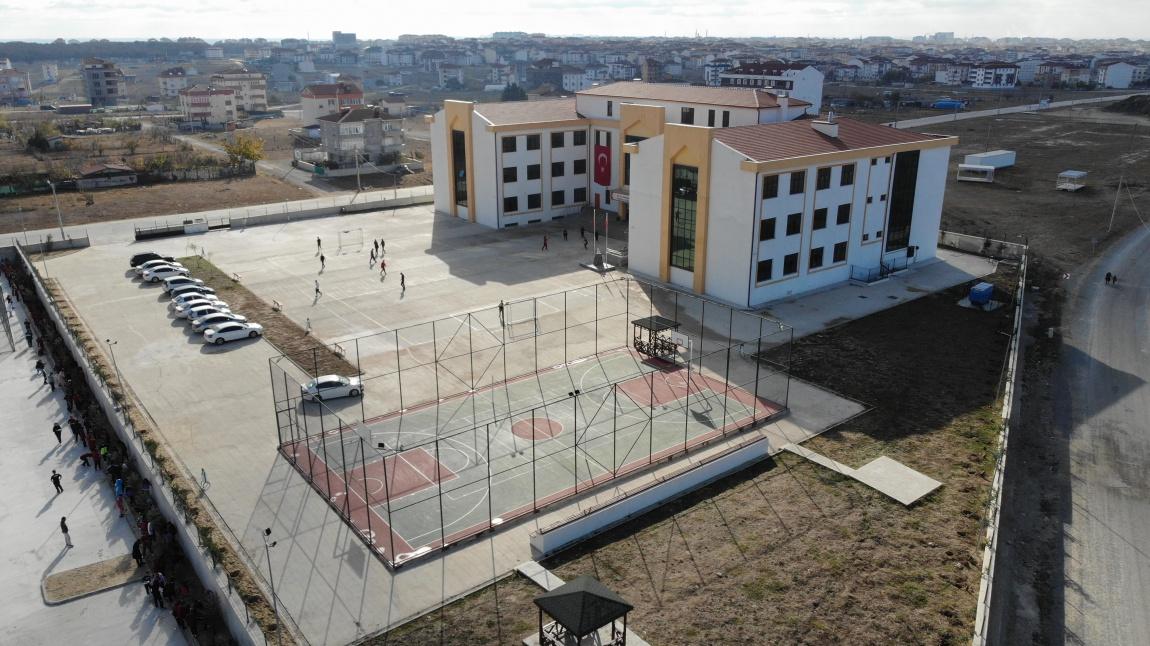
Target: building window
pixel 763 271
pixel 510 204
pixel 579 196
pixel 579 137
pixel 687 116
pixel 579 167
pixel 844 215
pixel 510 174
pixel 533 171
pixel 874 161
pixel 557 198
pixel 790 264
pixel 770 186
pixel 840 253
pixel 535 201
pixel 902 200
pixel 820 219
pixel 823 179
pixel 684 196
pixel 557 169
pixel 509 144
pixel 882 198
pixel 798 181
pixel 794 224
pixel 866 236
pixel 767 229
pixel 459 165
pixel 557 140
pixel 726 118
pixel 710 118
pixel 532 142
pixel 848 175
pixel 610 108
pixel 816 259
pixel 869 199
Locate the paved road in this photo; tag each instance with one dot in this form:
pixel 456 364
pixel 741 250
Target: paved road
pixel 947 117
pixel 1106 521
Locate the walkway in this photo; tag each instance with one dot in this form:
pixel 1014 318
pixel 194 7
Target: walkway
pixel 29 524
pixel 977 114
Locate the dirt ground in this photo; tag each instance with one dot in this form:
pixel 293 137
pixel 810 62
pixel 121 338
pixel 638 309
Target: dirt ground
pixel 792 550
pixel 36 212
pixel 979 99
pixel 278 141
pixel 123 147
pixel 279 330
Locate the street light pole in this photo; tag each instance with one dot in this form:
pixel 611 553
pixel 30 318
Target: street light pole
pixel 272 579
pixel 56 201
pixel 116 366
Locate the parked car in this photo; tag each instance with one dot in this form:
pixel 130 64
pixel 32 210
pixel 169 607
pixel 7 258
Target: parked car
pixel 218 334
pixel 156 264
pixel 157 274
pixel 199 311
pixel 331 387
pixel 182 310
pixel 145 256
pixel 186 297
pixel 170 283
pixel 190 288
pixel 208 320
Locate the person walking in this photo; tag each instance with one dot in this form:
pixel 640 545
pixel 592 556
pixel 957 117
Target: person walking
pixel 1108 276
pixel 46 373
pixel 382 267
pixel 158 590
pixel 138 553
pixel 322 262
pixel 317 292
pixel 372 261
pixel 55 478
pixel 382 246
pixel 64 531
pixel 40 362
pixel 501 319
pixel 584 243
pixel 564 235
pixel 318 243
pixel 1114 280
pixel 52 382
pixel 375 245
pixel 77 427
pixel 56 429
pixel 544 242
pixel 402 282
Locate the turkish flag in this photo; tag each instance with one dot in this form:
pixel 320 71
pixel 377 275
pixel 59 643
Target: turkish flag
pixel 603 165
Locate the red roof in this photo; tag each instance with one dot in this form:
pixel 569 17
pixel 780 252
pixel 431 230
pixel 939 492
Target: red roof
pixel 775 141
pixel 515 112
pixel 330 90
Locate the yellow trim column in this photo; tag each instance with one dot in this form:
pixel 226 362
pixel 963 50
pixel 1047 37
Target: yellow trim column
pixel 458 116
pixel 687 146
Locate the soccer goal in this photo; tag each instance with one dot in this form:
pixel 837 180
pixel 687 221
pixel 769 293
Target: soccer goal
pixel 351 239
pixel 522 318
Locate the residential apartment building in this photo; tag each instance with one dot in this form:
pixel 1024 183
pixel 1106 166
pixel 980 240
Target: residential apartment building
pixel 15 87
pixel 799 80
pixel 322 99
pixel 172 81
pixel 208 106
pixel 554 157
pixel 343 40
pixel 251 89
pixel 103 82
pixel 49 72
pixel 753 214
pixel 994 75
pixel 368 133
pixel 713 71
pixel 1115 74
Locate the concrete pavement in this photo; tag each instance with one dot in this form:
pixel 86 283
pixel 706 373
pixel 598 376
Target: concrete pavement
pixel 29 525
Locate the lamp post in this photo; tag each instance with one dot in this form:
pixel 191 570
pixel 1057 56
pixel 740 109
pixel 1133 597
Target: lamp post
pixel 115 366
pixel 56 201
pixel 272 579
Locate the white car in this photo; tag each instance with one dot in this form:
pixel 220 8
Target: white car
pixel 197 303
pixel 199 311
pixel 157 274
pixel 331 387
pixel 155 264
pixel 232 331
pixel 191 288
pixel 215 318
pixel 191 296
pixel 177 281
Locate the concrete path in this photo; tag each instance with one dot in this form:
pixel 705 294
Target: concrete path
pixel 978 114
pixel 887 476
pixel 29 525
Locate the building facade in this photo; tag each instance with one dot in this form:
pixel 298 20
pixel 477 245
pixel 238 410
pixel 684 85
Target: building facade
pixel 322 99
pixel 15 87
pixel 799 80
pixel 758 213
pixel 103 82
pixel 208 106
pixel 994 75
pixel 172 81
pixel 366 133
pixel 251 89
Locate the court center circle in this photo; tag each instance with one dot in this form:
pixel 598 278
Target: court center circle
pixel 536 428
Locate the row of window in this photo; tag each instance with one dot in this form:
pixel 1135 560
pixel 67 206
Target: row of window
pixel 798 180
pixel 767 226
pixel 535 200
pixel 765 270
pixel 558 139
pixel 558 169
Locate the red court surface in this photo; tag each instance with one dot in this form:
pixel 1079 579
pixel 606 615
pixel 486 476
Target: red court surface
pixel 536 428
pixel 666 386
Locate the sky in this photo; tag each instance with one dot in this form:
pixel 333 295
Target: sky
pixel 275 19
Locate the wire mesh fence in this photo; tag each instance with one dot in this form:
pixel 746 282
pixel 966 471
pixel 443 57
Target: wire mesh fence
pixel 468 422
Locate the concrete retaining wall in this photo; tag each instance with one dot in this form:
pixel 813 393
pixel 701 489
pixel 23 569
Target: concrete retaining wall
pixel 600 518
pixel 244 630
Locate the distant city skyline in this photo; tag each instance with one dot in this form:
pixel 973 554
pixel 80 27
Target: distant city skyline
pixel 218 19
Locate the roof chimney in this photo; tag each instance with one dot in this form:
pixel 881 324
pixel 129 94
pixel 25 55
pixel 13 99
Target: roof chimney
pixel 783 99
pixel 828 126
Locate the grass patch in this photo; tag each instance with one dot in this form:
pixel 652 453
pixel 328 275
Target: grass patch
pixel 282 332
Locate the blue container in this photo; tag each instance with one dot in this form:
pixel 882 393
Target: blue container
pixel 981 293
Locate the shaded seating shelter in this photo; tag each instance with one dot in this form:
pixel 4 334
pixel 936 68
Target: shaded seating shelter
pixel 579 609
pixel 1071 180
pixel 649 338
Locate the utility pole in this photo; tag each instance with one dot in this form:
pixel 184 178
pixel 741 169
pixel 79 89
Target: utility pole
pixel 272 579
pixel 59 218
